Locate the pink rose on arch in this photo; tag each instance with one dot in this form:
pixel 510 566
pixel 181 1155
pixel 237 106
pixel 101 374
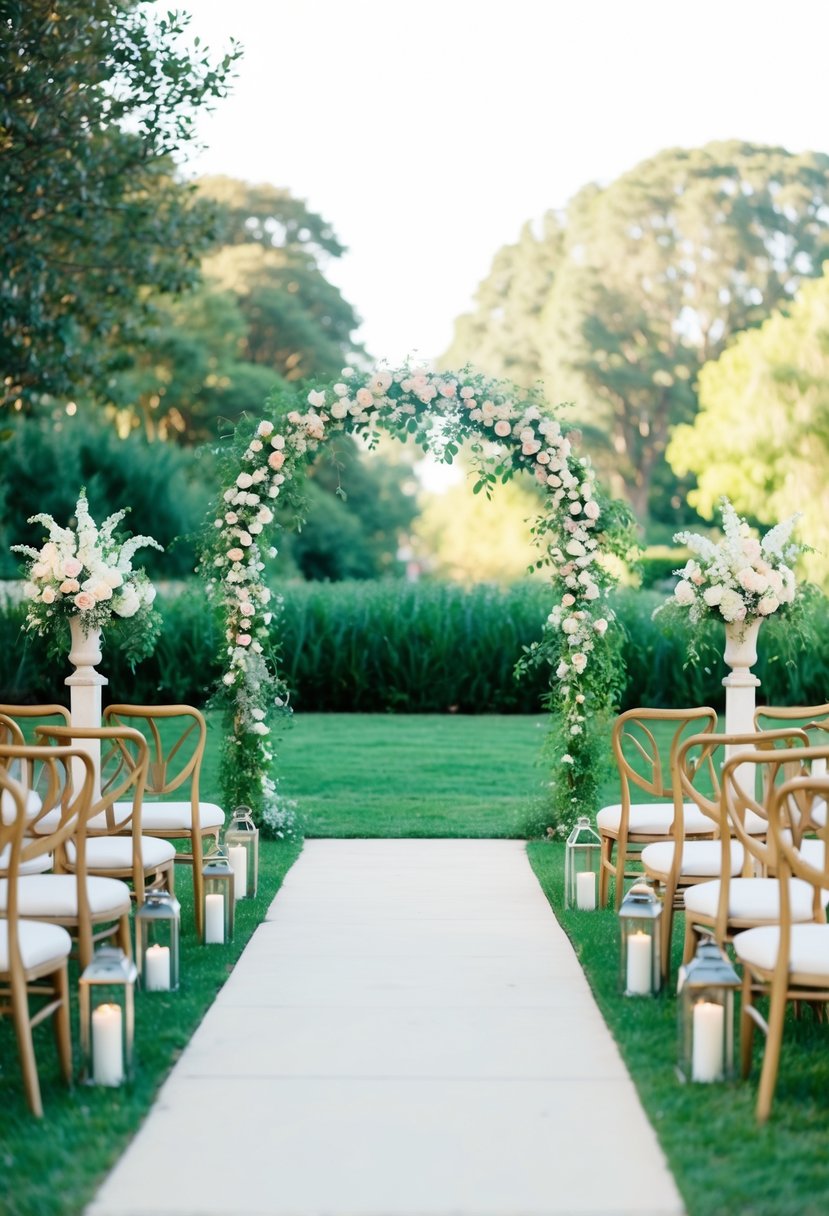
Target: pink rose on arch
pixel 502 428
pixel 70 567
pixel 276 459
pixel 364 398
pixel 84 600
pixel 247 609
pixel 243 639
pixel 235 555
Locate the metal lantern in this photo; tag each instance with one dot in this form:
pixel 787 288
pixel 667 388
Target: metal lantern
pixel 706 988
pixel 581 866
pixel 157 925
pixel 107 1015
pixel 242 844
pixel 219 898
pixel 640 925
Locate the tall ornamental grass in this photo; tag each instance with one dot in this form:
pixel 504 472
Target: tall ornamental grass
pixel 368 647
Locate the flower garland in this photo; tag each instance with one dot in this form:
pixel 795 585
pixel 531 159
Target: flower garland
pixel 509 431
pixel 86 572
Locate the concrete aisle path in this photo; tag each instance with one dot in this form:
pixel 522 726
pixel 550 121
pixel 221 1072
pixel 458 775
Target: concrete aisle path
pixel 407 1034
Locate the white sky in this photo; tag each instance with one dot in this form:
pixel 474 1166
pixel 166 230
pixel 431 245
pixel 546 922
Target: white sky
pixel 428 133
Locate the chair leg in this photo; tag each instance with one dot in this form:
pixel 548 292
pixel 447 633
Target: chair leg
pixel 621 860
pixel 691 942
pixel 124 936
pixel 25 1047
pixel 198 883
pixel 605 866
pixel 746 1027
pixel 667 933
pixel 62 1025
pixel 771 1056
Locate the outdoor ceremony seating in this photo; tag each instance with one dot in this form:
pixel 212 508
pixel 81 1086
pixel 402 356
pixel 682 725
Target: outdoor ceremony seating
pixel 788 961
pixel 91 907
pixel 696 783
pixel 647 766
pixel 732 902
pixel 33 954
pixel 116 846
pixel 176 736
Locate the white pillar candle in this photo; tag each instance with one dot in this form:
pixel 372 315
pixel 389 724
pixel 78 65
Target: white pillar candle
pixel 237 855
pixel 214 919
pixel 709 1029
pixel 107 1050
pixel 157 969
pixel 639 964
pixel 586 890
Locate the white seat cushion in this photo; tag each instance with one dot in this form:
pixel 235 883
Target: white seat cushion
pixel 39 943
pixel 57 895
pixel 175 816
pixel 753 899
pixel 700 858
pixel 115 852
pixel 8 805
pixel 809 948
pixel 655 819
pixel 37 865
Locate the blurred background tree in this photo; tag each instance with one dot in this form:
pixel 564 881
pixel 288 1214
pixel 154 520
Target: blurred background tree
pixel 762 433
pixel 646 279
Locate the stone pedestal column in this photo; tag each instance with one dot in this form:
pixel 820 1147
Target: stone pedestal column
pixel 740 687
pixel 85 686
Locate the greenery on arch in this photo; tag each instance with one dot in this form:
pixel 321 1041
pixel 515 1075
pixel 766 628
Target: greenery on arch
pixel 508 431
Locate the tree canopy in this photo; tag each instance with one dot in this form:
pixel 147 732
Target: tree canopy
pixel 98 98
pixel 761 436
pixel 646 279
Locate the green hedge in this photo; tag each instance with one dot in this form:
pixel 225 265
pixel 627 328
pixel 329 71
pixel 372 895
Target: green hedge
pixel 424 648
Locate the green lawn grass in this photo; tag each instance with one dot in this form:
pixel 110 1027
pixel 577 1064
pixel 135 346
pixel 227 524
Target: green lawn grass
pixel 418 775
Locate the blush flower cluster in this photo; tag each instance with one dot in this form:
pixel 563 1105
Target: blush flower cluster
pixel 740 577
pixel 87 572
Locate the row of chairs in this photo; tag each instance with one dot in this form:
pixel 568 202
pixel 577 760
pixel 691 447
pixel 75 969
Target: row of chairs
pixel 80 841
pixel 739 844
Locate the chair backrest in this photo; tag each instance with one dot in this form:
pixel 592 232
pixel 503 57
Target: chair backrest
pixel 776 766
pixel 814 719
pixel 176 736
pixel 797 810
pixel 124 761
pixel 27 717
pixel 54 764
pixel 643 757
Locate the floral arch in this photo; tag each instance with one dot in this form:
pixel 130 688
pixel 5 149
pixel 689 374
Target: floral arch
pixel 509 430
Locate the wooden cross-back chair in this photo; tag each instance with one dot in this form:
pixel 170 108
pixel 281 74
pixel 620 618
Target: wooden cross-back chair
pixel 788 961
pixel 173 808
pixel 18 724
pixel 91 907
pixel 33 954
pixel 116 846
pixel 646 765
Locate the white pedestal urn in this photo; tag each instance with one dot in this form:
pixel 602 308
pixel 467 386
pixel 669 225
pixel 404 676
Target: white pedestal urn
pixel 85 686
pixel 740 686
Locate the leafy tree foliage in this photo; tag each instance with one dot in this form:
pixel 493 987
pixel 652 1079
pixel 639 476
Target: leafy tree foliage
pixel 45 461
pixel 273 257
pixel 98 96
pixel 761 436
pixel 357 509
pixel 651 276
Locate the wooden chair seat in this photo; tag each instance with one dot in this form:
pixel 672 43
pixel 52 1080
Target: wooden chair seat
pixel 55 897
pixel 808 953
pixel 41 945
pixel 751 900
pixel 177 816
pixel 653 818
pixel 116 853
pixel 699 859
pixel 36 865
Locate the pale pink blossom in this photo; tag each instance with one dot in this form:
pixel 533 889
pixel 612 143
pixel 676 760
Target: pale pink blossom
pixel 243 639
pixel 579 661
pixel 84 601
pixel 364 398
pixel 265 428
pixel 69 586
pixel 276 459
pixel 684 593
pixel 235 555
pixel 316 398
pixel 502 428
pixel 70 567
pixel 48 595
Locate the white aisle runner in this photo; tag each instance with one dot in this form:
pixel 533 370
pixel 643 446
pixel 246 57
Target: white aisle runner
pixel 408 1034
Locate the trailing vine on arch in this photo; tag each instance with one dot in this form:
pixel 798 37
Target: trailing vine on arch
pixel 508 430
